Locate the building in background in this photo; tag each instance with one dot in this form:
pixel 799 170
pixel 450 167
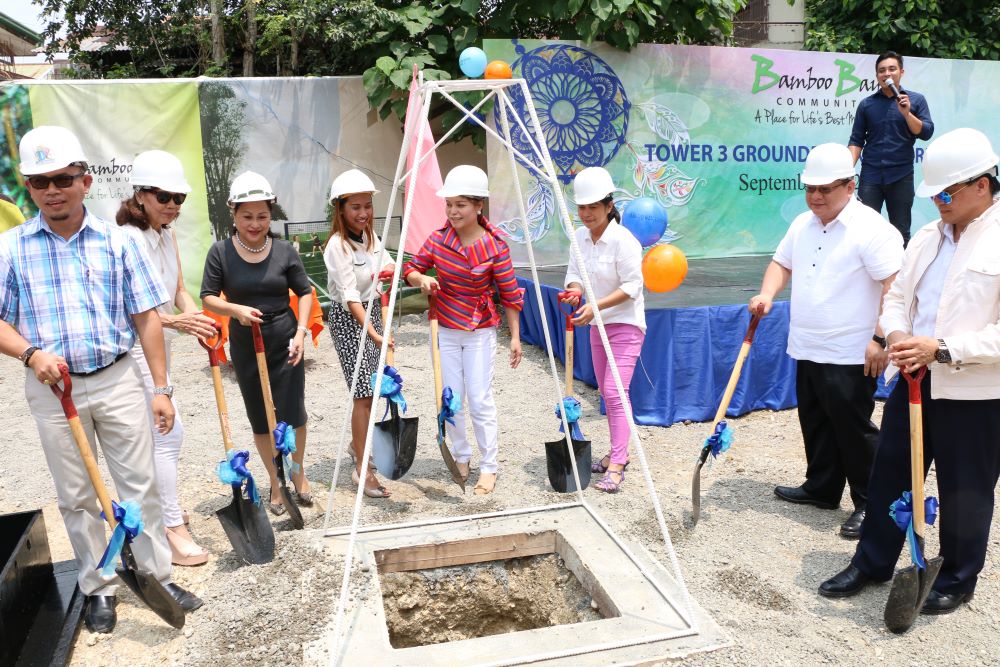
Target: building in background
pixel 770 24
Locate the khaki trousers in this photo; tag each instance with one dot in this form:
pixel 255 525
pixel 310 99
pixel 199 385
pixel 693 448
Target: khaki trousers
pixel 112 406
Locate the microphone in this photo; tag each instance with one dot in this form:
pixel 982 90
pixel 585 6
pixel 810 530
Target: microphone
pixel 892 86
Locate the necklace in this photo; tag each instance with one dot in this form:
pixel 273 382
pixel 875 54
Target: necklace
pixel 267 242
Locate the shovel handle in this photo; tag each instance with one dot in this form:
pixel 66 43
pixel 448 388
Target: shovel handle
pixel 390 357
pixel 734 377
pixel 913 381
pixel 265 381
pixel 569 336
pixel 220 397
pixel 435 350
pixel 83 445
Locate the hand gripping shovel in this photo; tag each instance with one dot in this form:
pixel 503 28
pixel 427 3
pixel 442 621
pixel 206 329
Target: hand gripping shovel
pixel 912 585
pixel 394 441
pixel 244 519
pixel 557 457
pixel 443 404
pixel 722 435
pixel 143 584
pixel 279 462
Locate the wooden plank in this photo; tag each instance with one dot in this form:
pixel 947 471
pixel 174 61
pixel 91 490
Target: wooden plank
pixel 464 552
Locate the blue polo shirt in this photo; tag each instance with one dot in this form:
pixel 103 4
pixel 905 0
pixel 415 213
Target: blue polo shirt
pixel 883 134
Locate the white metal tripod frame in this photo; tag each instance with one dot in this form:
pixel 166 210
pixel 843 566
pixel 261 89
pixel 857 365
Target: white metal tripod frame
pixel 495 89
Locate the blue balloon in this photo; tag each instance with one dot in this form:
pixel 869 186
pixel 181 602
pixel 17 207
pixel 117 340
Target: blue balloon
pixel 472 61
pixel 646 219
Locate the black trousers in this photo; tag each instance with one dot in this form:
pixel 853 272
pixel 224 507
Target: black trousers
pixel 835 412
pixel 963 440
pixel 898 199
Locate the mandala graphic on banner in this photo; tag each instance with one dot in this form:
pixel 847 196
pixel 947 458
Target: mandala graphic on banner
pixel 581 105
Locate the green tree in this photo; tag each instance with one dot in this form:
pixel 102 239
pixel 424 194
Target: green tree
pixel 965 29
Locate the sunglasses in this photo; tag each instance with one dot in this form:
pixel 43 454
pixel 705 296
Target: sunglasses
pixel 62 181
pixel 825 189
pixel 162 196
pixel 947 197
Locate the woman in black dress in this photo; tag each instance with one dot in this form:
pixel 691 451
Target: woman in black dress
pixel 255 270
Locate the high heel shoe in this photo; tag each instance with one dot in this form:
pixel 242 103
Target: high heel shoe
pixel 601 465
pixel 184 551
pixel 378 492
pixel 484 487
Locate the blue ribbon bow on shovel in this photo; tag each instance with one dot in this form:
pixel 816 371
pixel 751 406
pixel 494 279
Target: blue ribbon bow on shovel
pixel 450 405
pixel 233 471
pixel 128 516
pixel 720 441
pixel 573 412
pixel 284 442
pixel 392 388
pixel 901 511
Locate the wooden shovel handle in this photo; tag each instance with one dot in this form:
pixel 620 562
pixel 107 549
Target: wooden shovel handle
pixel 265 380
pixel 734 377
pixel 220 397
pixel 83 445
pixel 569 335
pixel 435 350
pixel 916 448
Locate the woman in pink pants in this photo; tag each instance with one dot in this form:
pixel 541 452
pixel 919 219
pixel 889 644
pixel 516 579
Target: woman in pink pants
pixel 613 260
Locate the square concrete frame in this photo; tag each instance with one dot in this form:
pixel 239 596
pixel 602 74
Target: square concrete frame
pixel 643 605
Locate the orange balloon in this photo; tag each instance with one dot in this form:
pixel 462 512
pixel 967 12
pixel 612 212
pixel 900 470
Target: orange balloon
pixel 498 69
pixel 664 268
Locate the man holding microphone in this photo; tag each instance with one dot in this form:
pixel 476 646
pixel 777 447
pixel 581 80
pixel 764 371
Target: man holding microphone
pixel 886 126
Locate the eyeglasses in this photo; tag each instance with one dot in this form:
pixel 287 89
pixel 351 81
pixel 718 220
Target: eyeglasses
pixel 826 189
pixel 947 197
pixel 61 181
pixel 162 196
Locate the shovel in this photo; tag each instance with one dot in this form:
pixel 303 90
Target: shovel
pixel 449 460
pixel 279 462
pixel 143 584
pixel 912 585
pixel 721 436
pixel 557 457
pixel 244 520
pixel 394 441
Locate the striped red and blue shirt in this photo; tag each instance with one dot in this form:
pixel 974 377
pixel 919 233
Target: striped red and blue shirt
pixel 74 297
pixel 467 276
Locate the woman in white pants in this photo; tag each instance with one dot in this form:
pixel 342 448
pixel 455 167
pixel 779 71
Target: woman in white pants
pixel 159 190
pixel 471 261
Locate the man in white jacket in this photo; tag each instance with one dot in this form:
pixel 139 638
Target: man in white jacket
pixel 943 312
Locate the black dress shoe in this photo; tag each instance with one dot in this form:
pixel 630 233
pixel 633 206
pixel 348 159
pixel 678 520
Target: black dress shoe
pixel 796 494
pixel 844 584
pixel 186 599
pixel 851 529
pixel 944 603
pixel 100 615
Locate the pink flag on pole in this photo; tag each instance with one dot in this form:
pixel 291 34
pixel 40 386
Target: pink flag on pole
pixel 427 213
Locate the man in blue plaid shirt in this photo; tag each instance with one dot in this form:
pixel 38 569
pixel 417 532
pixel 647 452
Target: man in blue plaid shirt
pixel 76 291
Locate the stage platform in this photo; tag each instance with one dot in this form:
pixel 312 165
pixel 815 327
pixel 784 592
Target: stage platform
pixel 693 335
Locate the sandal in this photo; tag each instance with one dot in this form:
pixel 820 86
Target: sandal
pixel 372 492
pixel 608 484
pixel 304 499
pixel 184 551
pixel 482 489
pixel 185 517
pixel 277 509
pixel 602 467
pixel 463 468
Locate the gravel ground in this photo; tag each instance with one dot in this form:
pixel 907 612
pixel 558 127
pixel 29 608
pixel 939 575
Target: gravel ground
pixel 753 562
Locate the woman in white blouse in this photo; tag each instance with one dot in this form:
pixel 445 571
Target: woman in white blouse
pixel 351 255
pixel 613 260
pixel 159 190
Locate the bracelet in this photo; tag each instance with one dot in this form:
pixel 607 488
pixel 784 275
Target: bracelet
pixel 302 329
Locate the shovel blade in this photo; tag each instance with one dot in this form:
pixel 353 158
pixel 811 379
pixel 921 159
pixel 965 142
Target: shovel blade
pixel 449 460
pixel 286 496
pixel 394 444
pixel 560 466
pixel 910 588
pixel 150 591
pixel 696 487
pixel 248 529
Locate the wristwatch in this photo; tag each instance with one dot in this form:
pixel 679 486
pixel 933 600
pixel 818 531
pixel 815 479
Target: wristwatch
pixel 943 355
pixel 167 391
pixel 26 355
pixel 878 339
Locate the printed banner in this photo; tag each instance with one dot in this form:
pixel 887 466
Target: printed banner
pixel 718 136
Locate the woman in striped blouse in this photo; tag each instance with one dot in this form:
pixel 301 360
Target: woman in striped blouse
pixel 470 259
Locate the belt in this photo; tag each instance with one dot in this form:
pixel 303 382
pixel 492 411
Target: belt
pixel 98 370
pixel 267 317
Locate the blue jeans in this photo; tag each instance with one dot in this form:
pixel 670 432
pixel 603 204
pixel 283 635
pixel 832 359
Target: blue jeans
pixel 898 199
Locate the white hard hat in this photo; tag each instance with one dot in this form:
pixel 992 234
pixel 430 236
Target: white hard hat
pixel 954 157
pixel 465 180
pixel 827 163
pixel 159 169
pixel 351 182
pixel 592 185
pixel 49 148
pixel 250 186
